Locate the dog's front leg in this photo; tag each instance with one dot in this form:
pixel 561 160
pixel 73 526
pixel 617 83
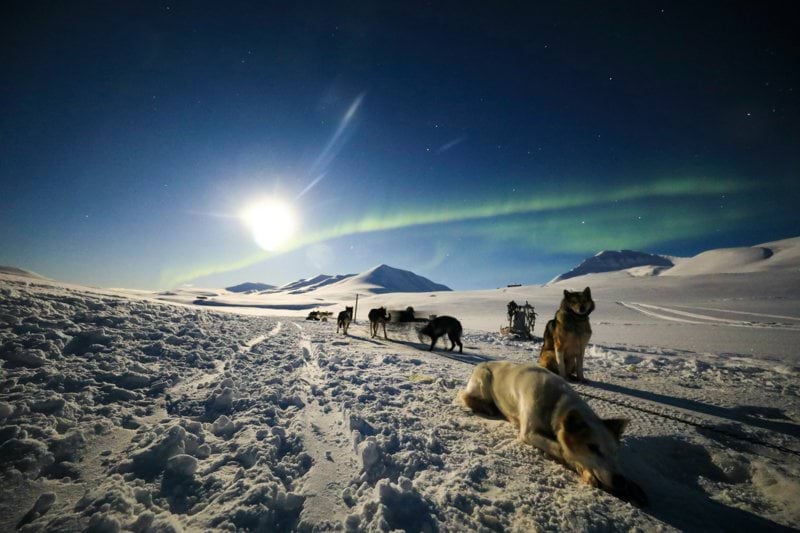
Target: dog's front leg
pixel 562 367
pixel 579 365
pixel 544 443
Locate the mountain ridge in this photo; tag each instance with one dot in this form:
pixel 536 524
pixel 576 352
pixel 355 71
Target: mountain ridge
pixel 250 286
pixel 614 260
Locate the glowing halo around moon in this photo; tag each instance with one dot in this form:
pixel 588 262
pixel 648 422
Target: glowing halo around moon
pixel 271 221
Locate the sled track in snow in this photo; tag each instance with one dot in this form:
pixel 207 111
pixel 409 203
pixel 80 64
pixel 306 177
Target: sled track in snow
pixel 689 420
pixel 686 317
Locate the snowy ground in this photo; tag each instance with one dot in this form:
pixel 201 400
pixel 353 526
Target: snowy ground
pixel 125 413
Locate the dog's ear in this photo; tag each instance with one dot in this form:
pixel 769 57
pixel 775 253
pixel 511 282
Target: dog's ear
pixel 573 422
pixel 566 293
pixel 616 426
pixel 587 292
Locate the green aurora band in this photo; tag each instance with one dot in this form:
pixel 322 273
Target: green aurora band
pixel 563 223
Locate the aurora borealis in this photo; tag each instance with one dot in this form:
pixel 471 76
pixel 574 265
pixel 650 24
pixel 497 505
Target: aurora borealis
pixel 474 144
pixel 555 227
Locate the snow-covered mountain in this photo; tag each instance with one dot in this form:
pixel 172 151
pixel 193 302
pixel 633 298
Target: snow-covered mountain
pixel 310 284
pixel 762 257
pixel 14 271
pixel 770 256
pixel 384 279
pixel 613 260
pixel 377 280
pixel 249 286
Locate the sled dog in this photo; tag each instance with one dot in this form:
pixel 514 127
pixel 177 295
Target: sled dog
pixel 552 417
pixel 443 325
pixel 378 317
pixel 344 319
pixel 566 335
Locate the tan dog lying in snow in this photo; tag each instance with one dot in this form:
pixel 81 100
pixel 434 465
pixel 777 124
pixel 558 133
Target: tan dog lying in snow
pixel 552 417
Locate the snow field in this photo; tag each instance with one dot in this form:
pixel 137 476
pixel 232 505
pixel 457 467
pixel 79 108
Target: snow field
pixel 123 414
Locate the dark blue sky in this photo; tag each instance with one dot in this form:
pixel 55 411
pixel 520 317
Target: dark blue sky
pixel 485 144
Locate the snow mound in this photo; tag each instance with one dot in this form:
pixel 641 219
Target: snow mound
pixel 613 260
pixel 249 286
pixel 760 258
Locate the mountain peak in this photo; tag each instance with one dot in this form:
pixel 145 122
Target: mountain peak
pixel 250 286
pixel 385 278
pixel 613 260
pixel 379 279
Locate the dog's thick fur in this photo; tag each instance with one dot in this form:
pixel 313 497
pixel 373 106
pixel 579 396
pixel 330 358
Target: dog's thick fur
pixel 378 317
pixel 443 325
pixel 344 319
pixel 566 336
pixel 552 417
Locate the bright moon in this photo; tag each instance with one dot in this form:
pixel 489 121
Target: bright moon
pixel 271 222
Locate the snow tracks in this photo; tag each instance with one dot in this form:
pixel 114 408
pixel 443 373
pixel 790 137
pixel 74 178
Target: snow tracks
pixel 715 317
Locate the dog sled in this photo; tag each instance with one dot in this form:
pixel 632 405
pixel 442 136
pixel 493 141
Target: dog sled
pixel 521 321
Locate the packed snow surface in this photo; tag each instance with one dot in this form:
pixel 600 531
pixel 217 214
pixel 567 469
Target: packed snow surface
pixel 119 411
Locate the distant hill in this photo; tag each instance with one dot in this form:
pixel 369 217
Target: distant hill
pixel 377 280
pixel 770 256
pixel 14 271
pixel 383 278
pixel 307 285
pixel 250 286
pixel 613 260
pixel 760 258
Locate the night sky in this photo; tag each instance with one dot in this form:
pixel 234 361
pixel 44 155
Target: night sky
pixel 477 145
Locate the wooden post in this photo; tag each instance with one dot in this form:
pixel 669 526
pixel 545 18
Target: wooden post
pixel 355 311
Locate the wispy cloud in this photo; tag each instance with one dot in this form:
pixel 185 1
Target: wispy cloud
pixel 334 145
pixel 450 144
